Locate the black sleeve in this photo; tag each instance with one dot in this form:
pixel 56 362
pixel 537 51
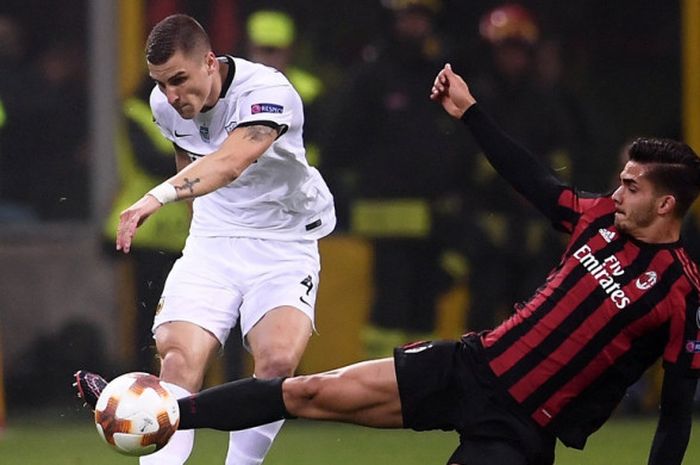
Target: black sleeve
pixel 513 162
pixel 675 419
pixel 280 128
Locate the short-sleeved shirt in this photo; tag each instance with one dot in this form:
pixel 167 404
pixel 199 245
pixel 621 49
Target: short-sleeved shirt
pixel 279 196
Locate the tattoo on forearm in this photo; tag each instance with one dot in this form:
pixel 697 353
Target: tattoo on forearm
pixel 259 132
pixel 188 185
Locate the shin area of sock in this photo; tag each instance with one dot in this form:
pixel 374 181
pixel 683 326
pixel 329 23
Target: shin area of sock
pixel 250 446
pixel 233 406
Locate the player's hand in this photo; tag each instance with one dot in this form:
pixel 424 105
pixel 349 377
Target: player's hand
pixel 132 218
pixel 450 90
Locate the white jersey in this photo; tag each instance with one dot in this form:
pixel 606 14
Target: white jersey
pixel 279 196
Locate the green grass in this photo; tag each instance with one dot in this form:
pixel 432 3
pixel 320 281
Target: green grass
pixel 65 441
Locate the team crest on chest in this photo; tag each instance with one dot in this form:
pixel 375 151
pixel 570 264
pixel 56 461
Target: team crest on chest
pixel 204 133
pixel 646 281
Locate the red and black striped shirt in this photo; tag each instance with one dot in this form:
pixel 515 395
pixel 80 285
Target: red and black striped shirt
pixel 607 312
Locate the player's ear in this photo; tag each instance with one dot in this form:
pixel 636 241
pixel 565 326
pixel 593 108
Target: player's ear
pixel 667 203
pixel 210 61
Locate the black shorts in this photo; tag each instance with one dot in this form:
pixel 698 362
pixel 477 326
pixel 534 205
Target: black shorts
pixel 442 386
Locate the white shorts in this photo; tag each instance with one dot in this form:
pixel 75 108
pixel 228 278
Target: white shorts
pixel 219 280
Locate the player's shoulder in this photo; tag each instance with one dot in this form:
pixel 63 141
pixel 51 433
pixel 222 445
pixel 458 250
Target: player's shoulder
pixel 588 203
pixel 689 267
pixel 159 103
pixel 251 76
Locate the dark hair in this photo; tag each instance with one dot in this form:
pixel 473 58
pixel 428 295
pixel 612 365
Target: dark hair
pixel 675 168
pixel 175 33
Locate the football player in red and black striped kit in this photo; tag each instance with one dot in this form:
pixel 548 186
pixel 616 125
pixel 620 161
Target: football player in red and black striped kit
pixel 623 295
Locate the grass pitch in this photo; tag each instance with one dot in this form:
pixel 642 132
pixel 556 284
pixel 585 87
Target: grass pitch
pixel 57 439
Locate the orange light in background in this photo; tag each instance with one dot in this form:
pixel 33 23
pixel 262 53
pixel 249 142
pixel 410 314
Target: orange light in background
pixel 132 35
pixel 690 43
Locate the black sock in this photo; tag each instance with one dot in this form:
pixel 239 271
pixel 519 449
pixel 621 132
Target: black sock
pixel 234 406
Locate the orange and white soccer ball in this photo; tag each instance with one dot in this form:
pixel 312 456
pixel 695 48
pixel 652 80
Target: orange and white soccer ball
pixel 136 414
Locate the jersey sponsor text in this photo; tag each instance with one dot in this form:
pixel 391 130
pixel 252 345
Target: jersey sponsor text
pixel 604 273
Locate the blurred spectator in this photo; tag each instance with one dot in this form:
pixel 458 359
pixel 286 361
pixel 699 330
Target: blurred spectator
pixel 394 168
pixel 510 248
pixel 590 139
pixel 144 158
pixel 12 56
pixel 46 165
pixel 271 36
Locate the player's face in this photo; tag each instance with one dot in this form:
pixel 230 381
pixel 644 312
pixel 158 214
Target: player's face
pixel 187 81
pixel 636 200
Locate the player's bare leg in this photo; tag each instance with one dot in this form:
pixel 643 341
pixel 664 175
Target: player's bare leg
pixel 185 350
pixel 277 343
pixel 365 393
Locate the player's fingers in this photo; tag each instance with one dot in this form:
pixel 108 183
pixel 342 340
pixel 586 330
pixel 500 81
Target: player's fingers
pixel 125 231
pixel 120 232
pixel 125 240
pixel 121 239
pixel 439 83
pixel 444 79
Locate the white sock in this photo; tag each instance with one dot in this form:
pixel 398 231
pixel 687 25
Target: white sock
pixel 180 446
pixel 250 446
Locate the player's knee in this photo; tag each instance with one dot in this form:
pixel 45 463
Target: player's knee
pixel 178 368
pixel 275 363
pixel 173 361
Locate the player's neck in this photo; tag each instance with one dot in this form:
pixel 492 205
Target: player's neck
pixel 666 231
pixel 217 83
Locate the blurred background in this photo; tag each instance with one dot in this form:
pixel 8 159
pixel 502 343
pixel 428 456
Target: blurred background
pixel 429 242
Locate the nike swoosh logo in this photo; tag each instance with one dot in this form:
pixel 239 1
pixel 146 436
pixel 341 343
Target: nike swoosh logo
pixel 181 135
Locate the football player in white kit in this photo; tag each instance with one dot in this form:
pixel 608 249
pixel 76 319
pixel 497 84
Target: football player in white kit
pixel 258 211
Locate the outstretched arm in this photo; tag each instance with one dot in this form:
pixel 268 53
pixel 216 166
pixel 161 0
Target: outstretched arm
pixel 239 150
pixel 512 161
pixel 675 420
